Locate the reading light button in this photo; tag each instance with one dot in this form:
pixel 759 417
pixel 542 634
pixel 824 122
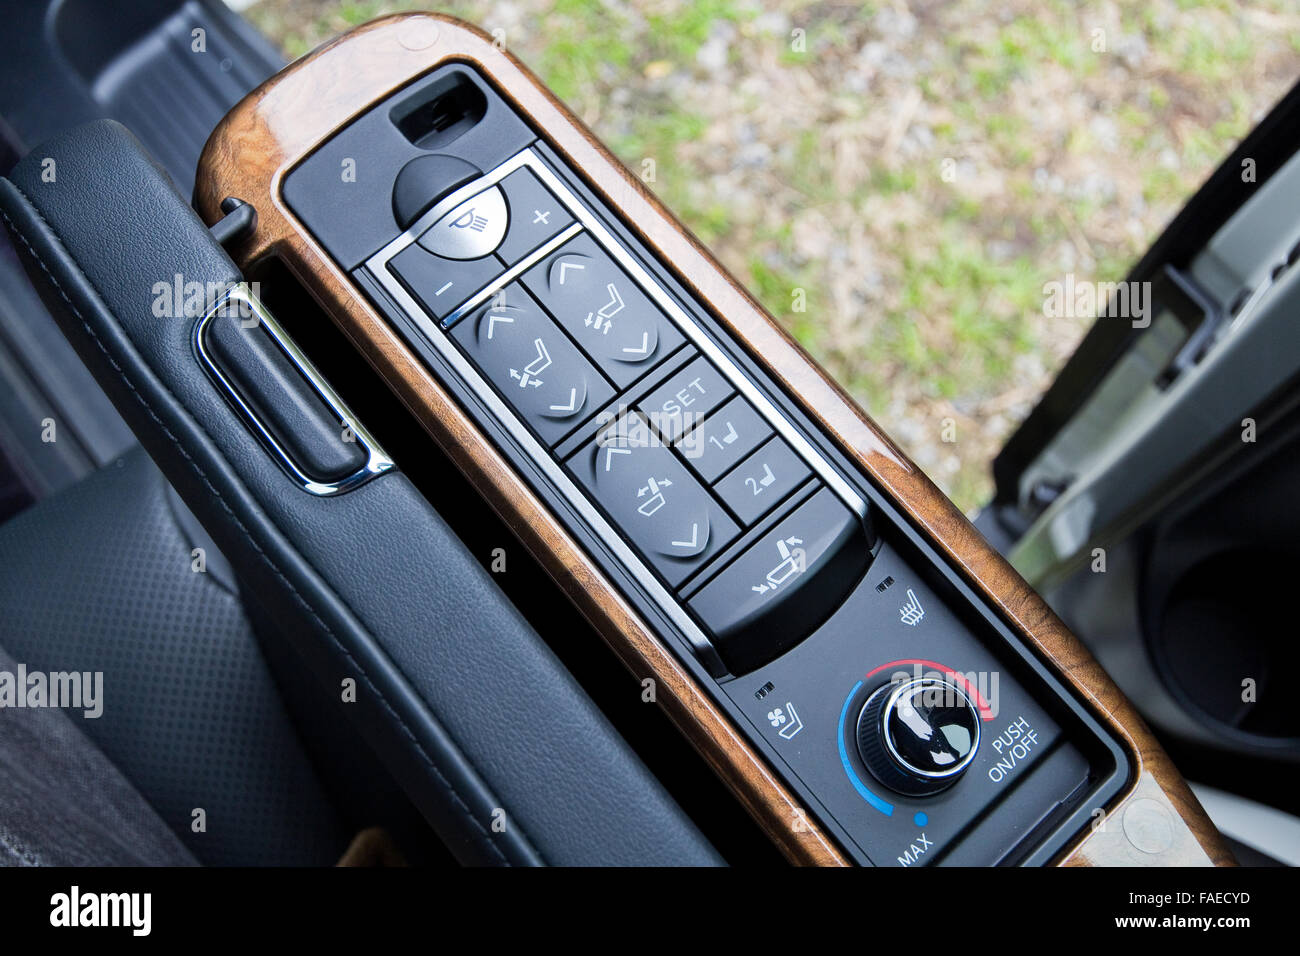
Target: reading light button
pixel 471 230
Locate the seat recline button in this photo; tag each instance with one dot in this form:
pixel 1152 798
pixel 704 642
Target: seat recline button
pixel 653 499
pixel 532 363
pixel 786 584
pixel 471 230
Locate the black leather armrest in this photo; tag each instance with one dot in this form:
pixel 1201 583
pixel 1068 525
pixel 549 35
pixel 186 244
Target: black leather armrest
pixel 461 697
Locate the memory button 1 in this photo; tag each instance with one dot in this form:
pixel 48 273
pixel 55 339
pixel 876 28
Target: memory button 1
pixel 724 438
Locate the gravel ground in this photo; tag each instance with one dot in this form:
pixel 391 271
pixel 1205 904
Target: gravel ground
pixel 919 170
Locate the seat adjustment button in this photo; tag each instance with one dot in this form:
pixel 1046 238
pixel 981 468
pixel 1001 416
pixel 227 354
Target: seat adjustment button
pixel 532 363
pixel 786 584
pixel 603 309
pixel 653 499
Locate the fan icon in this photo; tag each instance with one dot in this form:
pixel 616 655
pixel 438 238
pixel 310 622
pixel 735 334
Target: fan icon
pixel 777 717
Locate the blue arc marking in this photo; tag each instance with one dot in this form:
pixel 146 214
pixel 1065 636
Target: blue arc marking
pixel 886 808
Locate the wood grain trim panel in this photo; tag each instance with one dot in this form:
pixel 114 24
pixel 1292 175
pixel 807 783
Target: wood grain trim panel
pixel 283 120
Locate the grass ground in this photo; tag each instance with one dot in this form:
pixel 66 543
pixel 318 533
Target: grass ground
pixel 919 170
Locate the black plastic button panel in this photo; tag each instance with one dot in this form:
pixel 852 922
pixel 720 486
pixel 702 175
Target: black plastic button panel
pixel 714 510
pixel 691 475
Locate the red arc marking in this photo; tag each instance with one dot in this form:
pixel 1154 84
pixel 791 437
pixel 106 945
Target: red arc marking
pixel 986 712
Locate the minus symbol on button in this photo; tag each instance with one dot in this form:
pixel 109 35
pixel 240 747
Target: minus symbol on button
pixel 443 289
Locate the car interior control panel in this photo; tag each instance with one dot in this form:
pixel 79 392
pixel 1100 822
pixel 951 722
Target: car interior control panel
pixel 886 694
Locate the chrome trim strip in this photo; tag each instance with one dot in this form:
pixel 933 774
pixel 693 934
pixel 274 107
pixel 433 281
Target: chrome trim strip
pixel 509 276
pixel 452 200
pixel 576 498
pixel 377 462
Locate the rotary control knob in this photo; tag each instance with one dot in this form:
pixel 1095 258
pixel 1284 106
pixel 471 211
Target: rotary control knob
pixel 919 736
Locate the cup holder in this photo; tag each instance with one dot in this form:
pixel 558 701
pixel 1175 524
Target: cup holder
pixel 1223 645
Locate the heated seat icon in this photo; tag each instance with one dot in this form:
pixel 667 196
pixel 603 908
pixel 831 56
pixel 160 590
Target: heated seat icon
pixel 911 613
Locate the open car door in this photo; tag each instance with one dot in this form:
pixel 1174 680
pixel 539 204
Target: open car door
pixel 1150 496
